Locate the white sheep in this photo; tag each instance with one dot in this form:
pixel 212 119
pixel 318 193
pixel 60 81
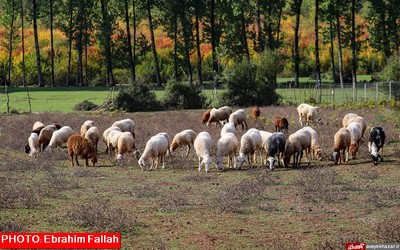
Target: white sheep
pixel 126 144
pixel 37 127
pixel 342 140
pixel 351 117
pixel 250 143
pixel 59 137
pixel 228 145
pixel 264 136
pixel 295 144
pixel 45 136
pixel 202 145
pixel 156 149
pixel 228 128
pixel 105 135
pixel 33 142
pixel 308 114
pixel 315 147
pixel 112 141
pixel 218 115
pixel 238 118
pixel 93 134
pixel 168 139
pixel 126 125
pixel 183 138
pixel 85 126
pixel 355 133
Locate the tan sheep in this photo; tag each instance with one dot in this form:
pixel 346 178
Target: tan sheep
pixel 238 118
pixel 308 115
pixel 315 146
pixel 126 144
pixel 45 136
pixel 295 144
pixel 80 146
pixel 218 115
pixel 183 138
pixel 85 126
pixel 351 117
pixel 355 133
pixel 250 144
pixel 342 140
pixel 228 145
pixel 93 134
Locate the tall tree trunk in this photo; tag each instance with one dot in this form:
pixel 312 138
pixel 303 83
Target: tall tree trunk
pixel 386 46
pixel 339 40
pixel 86 66
pixel 129 43
pixel 396 41
pixel 176 47
pixel 107 42
pixel 10 43
pixel 260 37
pixel 23 44
pixel 278 29
pixel 199 62
pixel 35 32
pixel 331 50
pixel 69 42
pixel 134 38
pixel 244 35
pixel 353 49
pixel 52 44
pixel 317 63
pixel 213 43
pixel 153 44
pixel 296 53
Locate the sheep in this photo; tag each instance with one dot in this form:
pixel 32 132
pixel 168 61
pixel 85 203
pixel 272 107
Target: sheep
pixel 59 137
pixel 45 136
pixel 126 144
pixel 315 147
pixel 250 143
pixel 276 144
pixel 105 135
pixel 308 114
pixel 342 140
pixel 238 118
pixel 156 149
pixel 218 115
pixel 205 116
pixel 351 117
pixel 93 134
pixel 168 139
pixel 295 144
pixel 264 137
pixel 126 125
pixel 112 141
pixel 281 124
pixel 80 146
pixel 376 141
pixel 228 145
pixel 202 145
pixel 355 133
pixel 37 127
pixel 228 128
pixel 255 112
pixel 85 126
pixel 183 138
pixel 33 142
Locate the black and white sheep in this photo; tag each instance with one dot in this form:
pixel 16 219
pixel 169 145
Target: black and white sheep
pixel 376 141
pixel 275 149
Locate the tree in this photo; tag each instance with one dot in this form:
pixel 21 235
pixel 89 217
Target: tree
pixel 296 9
pixel 129 43
pixel 198 6
pixel 35 9
pixel 338 31
pixel 149 4
pixel 8 21
pixel 106 32
pixel 52 43
pixel 23 44
pixel 316 28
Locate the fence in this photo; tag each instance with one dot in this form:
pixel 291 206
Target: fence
pixel 335 94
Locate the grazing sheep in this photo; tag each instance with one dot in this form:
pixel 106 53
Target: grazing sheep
pixel 126 144
pixel 238 118
pixel 315 147
pixel 342 140
pixel 255 112
pixel 112 141
pixel 375 143
pixel 205 116
pixel 126 125
pixel 93 134
pixel 264 136
pixel 156 149
pixel 183 138
pixel 85 126
pixel 33 142
pixel 59 137
pixel 281 124
pixel 250 143
pixel 228 128
pixel 80 146
pixel 218 115
pixel 295 144
pixel 351 117
pixel 37 127
pixel 105 135
pixel 45 136
pixel 168 139
pixel 308 114
pixel 202 145
pixel 276 147
pixel 355 132
pixel 228 145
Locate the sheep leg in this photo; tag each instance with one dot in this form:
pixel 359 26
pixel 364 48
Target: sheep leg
pixel 86 162
pixel 199 163
pixel 76 159
pixel 188 149
pixel 72 159
pixel 163 161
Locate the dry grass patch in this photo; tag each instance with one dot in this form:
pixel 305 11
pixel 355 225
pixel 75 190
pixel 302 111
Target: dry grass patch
pixel 388 230
pixel 10 226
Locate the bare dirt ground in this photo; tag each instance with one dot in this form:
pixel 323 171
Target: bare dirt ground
pixel 321 206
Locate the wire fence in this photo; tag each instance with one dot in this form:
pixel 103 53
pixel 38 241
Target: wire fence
pixel 335 94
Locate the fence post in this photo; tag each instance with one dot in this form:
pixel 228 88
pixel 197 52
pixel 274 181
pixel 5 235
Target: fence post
pixel 377 91
pixel 390 90
pixel 365 92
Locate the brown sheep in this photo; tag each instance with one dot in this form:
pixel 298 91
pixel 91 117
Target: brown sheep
pixel 342 141
pixel 206 116
pixel 281 124
pixel 255 112
pixel 45 136
pixel 79 145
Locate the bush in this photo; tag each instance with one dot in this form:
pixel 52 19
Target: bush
pixel 137 97
pixel 85 106
pixel 183 96
pixel 391 72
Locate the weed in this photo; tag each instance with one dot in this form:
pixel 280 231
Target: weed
pixel 198 177
pixel 17 195
pixel 143 191
pixel 173 203
pixel 388 230
pixel 54 182
pixel 368 174
pixel 384 196
pixel 338 243
pixel 11 226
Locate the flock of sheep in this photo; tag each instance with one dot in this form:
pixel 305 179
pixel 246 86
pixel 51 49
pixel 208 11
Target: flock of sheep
pixel 271 147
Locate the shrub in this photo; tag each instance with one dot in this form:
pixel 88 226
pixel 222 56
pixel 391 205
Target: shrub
pixel 85 106
pixel 137 97
pixel 391 72
pixel 183 96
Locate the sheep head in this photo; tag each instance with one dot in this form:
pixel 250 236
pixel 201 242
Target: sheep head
pixel 240 160
pixel 207 161
pixel 271 161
